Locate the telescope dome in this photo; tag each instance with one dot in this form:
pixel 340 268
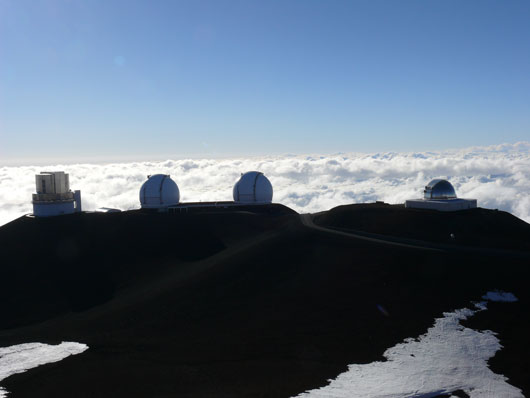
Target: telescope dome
pixel 253 187
pixel 439 189
pixel 159 191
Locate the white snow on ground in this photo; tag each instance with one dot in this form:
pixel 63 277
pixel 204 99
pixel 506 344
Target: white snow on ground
pixel 21 357
pixel 448 358
pixel 498 176
pixel 500 296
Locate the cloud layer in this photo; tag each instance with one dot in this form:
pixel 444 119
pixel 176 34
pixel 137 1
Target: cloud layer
pixel 498 176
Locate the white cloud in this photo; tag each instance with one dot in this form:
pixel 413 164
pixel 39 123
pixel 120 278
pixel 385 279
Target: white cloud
pixel 448 358
pixel 498 176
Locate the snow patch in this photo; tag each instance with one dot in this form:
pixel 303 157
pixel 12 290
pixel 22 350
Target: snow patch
pixel 448 358
pixel 22 357
pixel 498 295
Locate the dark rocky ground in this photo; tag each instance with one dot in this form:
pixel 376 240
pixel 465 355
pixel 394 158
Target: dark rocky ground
pixel 243 304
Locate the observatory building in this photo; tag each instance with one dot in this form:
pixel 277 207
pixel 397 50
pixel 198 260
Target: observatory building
pixel 54 196
pixel 440 195
pixel 253 187
pixel 159 192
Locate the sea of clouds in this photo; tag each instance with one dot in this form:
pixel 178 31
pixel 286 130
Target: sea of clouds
pixel 498 176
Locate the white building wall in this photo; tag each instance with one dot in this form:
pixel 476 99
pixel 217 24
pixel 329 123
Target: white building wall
pixel 52 182
pixel 45 183
pixel 66 183
pixel 442 205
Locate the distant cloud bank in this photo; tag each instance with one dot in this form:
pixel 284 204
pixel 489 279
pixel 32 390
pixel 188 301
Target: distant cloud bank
pixel 498 176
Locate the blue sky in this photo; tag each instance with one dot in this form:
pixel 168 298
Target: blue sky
pixel 110 79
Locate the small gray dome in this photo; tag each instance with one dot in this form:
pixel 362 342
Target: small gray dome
pixel 439 189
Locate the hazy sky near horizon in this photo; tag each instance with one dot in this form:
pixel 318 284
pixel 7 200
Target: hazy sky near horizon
pixel 113 79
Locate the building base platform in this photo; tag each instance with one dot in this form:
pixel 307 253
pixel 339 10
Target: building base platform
pixel 442 204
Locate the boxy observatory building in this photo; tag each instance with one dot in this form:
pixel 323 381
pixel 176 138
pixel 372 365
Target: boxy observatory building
pixel 54 196
pixel 440 195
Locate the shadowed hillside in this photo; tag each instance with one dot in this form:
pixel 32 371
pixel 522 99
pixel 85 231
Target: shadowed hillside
pixel 241 304
pixel 474 227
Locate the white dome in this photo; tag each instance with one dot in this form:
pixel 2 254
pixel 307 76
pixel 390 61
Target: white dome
pixel 253 187
pixel 159 191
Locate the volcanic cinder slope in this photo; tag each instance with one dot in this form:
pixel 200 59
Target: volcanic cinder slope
pixel 250 304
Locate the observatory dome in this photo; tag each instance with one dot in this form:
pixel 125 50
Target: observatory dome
pixel 253 187
pixel 159 191
pixel 439 189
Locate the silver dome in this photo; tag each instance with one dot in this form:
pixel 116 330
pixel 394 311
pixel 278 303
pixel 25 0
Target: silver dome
pixel 439 189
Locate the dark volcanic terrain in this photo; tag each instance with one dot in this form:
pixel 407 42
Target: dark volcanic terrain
pixel 250 303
